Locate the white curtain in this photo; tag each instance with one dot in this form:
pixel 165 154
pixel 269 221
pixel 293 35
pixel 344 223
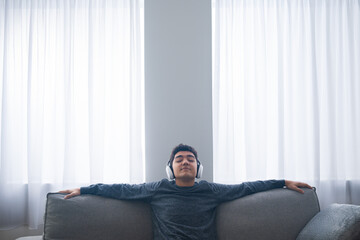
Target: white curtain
pixel 71 100
pixel 286 93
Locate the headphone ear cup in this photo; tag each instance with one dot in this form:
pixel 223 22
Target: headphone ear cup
pixel 169 173
pixel 199 171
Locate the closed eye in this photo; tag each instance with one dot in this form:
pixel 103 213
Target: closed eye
pixel 190 158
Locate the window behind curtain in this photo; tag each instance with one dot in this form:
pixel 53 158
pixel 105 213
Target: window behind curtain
pixel 71 99
pixel 286 93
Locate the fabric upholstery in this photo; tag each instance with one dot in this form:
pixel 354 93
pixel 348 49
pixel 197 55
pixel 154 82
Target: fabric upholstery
pixel 92 217
pixel 338 222
pixel 277 214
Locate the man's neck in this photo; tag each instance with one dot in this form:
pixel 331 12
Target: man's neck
pixel 184 183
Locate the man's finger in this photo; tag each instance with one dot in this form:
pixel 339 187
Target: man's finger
pixel 69 195
pixel 300 190
pixel 65 191
pixel 295 188
pixel 305 185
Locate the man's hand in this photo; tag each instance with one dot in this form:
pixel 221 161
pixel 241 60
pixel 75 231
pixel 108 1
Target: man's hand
pixel 296 185
pixel 71 193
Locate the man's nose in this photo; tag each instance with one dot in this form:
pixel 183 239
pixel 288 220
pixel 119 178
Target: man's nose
pixel 186 161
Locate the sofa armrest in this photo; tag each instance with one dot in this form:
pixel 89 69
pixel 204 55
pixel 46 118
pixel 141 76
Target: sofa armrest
pixel 338 222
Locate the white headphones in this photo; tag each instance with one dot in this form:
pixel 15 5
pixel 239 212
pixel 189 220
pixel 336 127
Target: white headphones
pixel 170 172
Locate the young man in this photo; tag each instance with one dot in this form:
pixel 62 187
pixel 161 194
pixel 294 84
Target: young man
pixel 183 209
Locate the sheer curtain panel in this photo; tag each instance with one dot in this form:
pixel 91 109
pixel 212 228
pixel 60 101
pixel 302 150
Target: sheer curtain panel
pixel 71 99
pixel 286 93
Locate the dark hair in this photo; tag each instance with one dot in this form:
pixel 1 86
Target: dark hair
pixel 182 147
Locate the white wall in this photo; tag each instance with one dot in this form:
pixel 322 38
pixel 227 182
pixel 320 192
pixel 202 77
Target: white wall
pixel 177 86
pixel 177 82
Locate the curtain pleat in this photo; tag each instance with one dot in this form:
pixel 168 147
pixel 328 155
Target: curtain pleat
pixel 71 99
pixel 286 93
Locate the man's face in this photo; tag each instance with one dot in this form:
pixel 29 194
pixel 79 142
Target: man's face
pixel 184 165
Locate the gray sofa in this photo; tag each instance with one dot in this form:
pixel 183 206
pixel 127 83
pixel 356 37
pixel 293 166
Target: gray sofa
pixel 276 214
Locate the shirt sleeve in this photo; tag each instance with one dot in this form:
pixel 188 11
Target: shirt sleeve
pixel 231 192
pixel 143 191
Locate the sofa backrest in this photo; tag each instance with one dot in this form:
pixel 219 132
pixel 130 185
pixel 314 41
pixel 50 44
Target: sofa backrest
pixel 93 217
pixel 273 215
pixel 276 214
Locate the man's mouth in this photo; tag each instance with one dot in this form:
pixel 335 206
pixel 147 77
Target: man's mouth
pixel 185 169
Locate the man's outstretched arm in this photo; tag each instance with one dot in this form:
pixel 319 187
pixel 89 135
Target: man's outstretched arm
pixel 231 192
pixel 119 191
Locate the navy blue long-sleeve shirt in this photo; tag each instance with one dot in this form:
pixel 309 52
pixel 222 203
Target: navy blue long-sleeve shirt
pixel 182 212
